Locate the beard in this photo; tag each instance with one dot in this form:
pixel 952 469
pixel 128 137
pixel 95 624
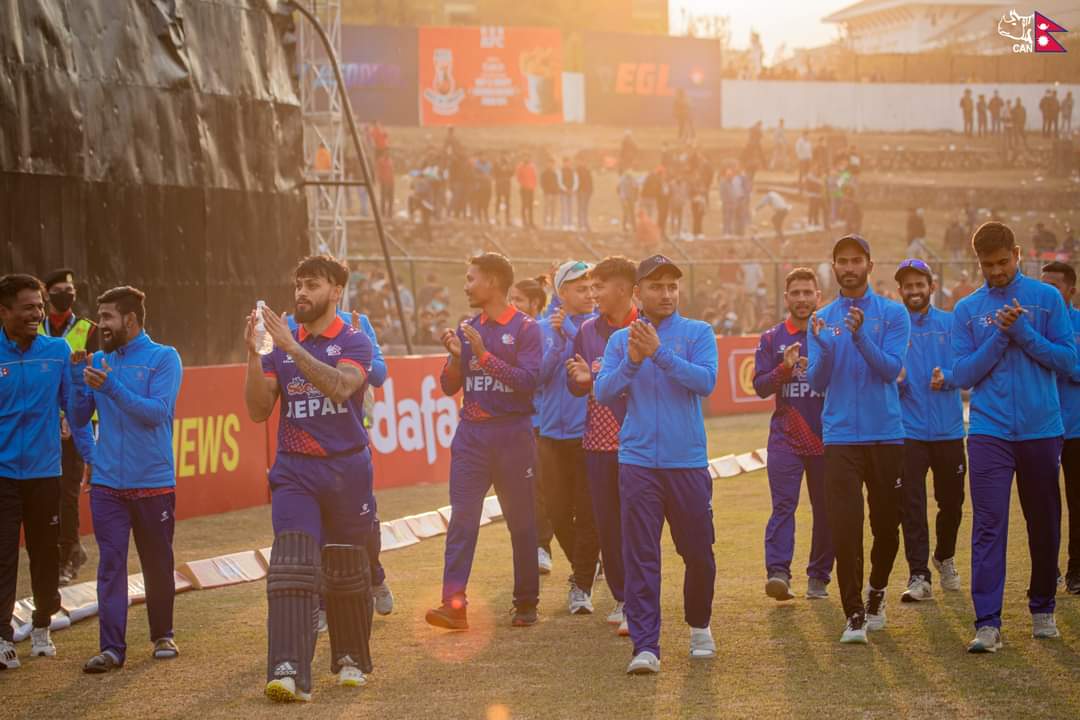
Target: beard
pixel 313 312
pixel 916 303
pixel 851 279
pixel 801 312
pixel 116 339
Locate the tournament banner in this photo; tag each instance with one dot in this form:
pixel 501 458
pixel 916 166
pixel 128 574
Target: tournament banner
pixel 632 79
pixel 380 72
pixel 487 76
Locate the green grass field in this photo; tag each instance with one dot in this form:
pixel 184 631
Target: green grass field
pixel 775 660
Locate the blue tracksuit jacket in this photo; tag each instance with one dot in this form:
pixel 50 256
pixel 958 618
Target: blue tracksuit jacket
pixel 562 414
pixel 1013 373
pixel 858 372
pixel 35 386
pixel 135 410
pixel 664 425
pixel 931 415
pixel 1069 386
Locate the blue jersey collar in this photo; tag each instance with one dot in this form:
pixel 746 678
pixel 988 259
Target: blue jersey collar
pixel 139 341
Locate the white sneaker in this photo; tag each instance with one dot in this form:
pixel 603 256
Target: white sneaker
pixel 9 658
pixel 543 559
pixel 987 640
pixel 41 645
pixel 855 631
pixel 616 617
pixel 624 629
pixel 947 575
pixel 644 663
pixel 1043 626
pixel 875 610
pixel 579 601
pixel 918 590
pixel 284 690
pixel 702 644
pixel 384 599
pixel 350 676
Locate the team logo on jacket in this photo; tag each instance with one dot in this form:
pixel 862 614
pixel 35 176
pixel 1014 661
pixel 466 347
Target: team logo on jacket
pixel 836 331
pixel 4 372
pixel 333 350
pixel 988 320
pixel 597 364
pixel 507 339
pixel 474 364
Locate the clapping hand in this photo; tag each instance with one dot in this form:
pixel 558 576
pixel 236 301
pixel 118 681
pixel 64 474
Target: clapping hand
pixel 472 336
pixel 643 339
pixel 578 370
pixel 792 359
pixel 854 319
pixel 1009 314
pixel 451 342
pixel 278 329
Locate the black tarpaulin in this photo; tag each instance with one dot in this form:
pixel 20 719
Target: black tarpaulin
pixel 156 143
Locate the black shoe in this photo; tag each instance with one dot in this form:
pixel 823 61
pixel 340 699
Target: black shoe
pixel 447 616
pixel 1072 583
pixel 874 600
pixel 524 616
pixel 101 663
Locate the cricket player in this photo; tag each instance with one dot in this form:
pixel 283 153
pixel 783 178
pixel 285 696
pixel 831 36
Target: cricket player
pixel 495 357
pixel 380 589
pixel 34 388
pixel 663 365
pixel 857 347
pixel 562 426
pixel 795 446
pixel 320 483
pixel 933 435
pixel 132 386
pixel 1011 338
pixel 612 281
pixel 1063 277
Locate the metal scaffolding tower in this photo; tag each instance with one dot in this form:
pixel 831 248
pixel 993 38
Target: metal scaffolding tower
pixel 324 131
pixel 324 104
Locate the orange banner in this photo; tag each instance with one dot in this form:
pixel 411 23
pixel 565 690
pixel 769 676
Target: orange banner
pixel 485 76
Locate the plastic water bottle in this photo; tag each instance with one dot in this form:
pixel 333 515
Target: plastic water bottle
pixel 264 344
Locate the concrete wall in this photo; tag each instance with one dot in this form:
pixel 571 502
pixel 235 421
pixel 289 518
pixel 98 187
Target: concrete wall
pixel 868 106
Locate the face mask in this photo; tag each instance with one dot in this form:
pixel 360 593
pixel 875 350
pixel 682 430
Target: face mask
pixel 61 301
